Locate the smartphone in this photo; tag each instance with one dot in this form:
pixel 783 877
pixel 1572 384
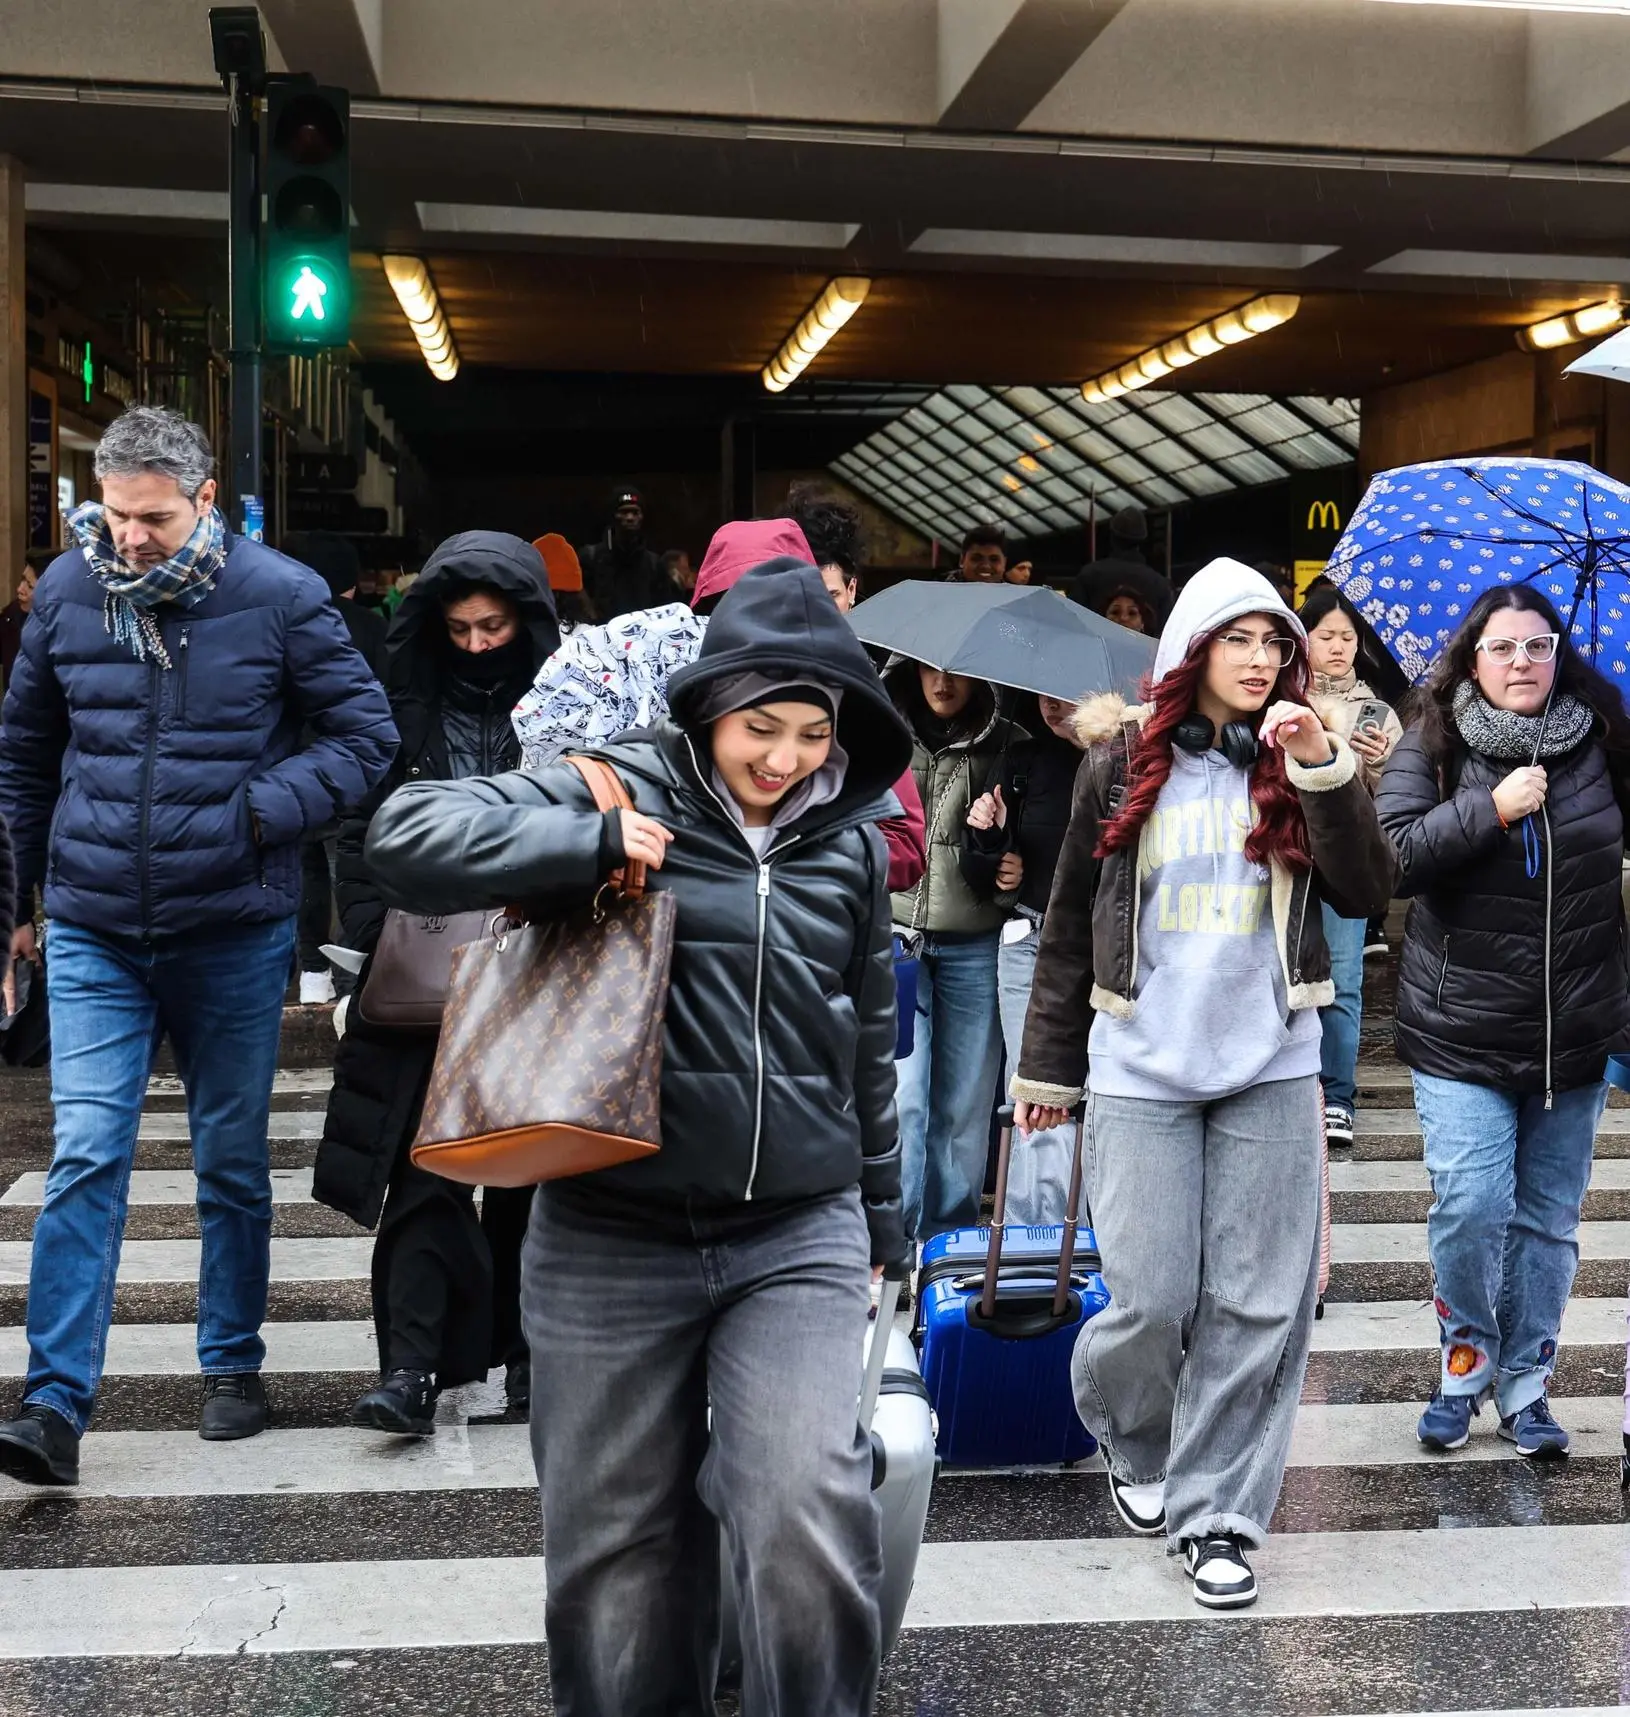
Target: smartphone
pixel 1373 715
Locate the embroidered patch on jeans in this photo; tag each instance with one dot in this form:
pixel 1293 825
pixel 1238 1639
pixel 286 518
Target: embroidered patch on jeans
pixel 1547 1349
pixel 1441 1307
pixel 1463 1360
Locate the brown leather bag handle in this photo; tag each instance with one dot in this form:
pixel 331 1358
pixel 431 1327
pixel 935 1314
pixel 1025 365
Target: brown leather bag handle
pixel 628 880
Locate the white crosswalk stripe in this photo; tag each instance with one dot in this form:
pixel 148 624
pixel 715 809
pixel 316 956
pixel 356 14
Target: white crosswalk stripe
pixel 319 1573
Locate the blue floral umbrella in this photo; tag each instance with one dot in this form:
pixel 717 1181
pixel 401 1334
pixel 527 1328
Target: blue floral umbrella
pixel 1427 540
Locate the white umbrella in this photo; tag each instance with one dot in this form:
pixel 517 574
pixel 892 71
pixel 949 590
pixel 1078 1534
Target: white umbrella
pixel 1610 359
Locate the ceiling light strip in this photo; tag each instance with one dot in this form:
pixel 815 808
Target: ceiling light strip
pixel 1158 362
pixel 839 300
pixel 421 304
pixel 1569 330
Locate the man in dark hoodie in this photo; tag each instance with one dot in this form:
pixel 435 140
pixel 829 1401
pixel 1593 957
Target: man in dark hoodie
pixel 620 574
pixel 729 1270
pixel 465 644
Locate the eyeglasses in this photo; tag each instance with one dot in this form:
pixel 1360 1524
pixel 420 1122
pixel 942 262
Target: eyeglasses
pixel 1505 651
pixel 1240 648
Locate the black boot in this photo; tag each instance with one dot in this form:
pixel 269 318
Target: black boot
pixel 39 1446
pixel 404 1403
pixel 234 1407
pixel 518 1385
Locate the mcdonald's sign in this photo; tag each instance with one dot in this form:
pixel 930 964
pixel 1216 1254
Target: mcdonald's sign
pixel 1323 516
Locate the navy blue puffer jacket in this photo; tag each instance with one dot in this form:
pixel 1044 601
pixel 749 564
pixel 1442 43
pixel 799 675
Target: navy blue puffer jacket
pixel 151 800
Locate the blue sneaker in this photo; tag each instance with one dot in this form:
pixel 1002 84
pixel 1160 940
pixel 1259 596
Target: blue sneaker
pixel 1447 1422
pixel 1536 1434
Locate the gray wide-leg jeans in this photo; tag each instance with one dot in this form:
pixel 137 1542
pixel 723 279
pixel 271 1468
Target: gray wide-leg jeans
pixel 1207 1215
pixel 632 1338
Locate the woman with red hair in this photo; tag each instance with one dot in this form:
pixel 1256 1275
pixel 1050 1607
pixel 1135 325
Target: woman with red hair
pixel 1183 961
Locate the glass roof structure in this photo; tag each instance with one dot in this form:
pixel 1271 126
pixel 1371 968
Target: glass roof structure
pixel 1033 459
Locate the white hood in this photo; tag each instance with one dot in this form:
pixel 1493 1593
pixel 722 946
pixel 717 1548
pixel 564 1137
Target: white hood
pixel 1222 590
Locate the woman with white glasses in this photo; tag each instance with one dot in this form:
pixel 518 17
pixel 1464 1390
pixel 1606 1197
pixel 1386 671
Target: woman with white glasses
pixel 1505 801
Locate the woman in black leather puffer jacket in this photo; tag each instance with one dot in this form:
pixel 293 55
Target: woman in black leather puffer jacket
pixel 1513 990
pixel 729 1270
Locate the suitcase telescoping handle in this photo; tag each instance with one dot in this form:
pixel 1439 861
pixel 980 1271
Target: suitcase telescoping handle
pixel 877 1360
pixel 1066 1256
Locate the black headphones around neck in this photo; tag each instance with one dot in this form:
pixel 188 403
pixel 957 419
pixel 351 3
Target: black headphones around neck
pixel 1197 734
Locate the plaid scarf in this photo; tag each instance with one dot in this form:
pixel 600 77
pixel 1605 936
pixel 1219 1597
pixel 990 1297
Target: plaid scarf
pixel 130 596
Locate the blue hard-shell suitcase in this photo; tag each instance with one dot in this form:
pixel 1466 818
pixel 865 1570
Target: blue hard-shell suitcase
pixel 997 1364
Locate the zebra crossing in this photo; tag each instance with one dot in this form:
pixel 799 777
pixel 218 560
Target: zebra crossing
pixel 320 1568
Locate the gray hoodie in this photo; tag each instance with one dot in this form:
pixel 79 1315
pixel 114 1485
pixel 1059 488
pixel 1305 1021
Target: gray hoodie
pixel 1212 1013
pixel 1212 1016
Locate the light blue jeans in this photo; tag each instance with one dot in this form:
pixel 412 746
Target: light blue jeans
pixel 218 995
pixel 1338 1054
pixel 1207 1215
pixel 1038 1180
pixel 947 1085
pixel 1508 1182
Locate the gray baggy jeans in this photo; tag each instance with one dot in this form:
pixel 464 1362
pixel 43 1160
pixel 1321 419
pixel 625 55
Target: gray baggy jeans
pixel 632 1337
pixel 1207 1216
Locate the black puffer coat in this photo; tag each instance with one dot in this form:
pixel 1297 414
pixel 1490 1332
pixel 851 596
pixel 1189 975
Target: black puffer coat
pixel 1037 780
pixel 1506 979
pixel 778 1072
pixel 449 728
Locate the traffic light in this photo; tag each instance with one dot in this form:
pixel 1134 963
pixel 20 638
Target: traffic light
pixel 306 269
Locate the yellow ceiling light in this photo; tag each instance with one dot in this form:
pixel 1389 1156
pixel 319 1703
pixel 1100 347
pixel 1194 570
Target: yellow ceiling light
pixel 838 301
pixel 1158 362
pixel 416 293
pixel 1568 330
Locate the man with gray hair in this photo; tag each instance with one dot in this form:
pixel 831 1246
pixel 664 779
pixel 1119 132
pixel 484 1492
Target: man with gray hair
pixel 185 706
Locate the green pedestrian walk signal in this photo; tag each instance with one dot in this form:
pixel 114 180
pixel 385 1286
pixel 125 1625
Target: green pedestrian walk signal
pixel 306 247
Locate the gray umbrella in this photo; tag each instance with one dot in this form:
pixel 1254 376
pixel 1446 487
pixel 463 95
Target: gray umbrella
pixel 1016 635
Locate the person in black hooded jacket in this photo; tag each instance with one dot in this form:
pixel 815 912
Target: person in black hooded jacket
pixel 730 1268
pixel 468 638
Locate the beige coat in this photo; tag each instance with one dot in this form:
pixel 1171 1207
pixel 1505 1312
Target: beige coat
pixel 1337 702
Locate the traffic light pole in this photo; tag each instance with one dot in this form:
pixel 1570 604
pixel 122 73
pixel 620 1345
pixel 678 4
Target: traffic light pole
pixel 243 258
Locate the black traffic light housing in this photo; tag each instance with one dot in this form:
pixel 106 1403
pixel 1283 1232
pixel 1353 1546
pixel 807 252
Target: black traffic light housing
pixel 306 254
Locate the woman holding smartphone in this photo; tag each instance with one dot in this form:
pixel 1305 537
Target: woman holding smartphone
pixel 1346 705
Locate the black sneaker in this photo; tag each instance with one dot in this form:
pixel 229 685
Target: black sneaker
pixel 1338 1125
pixel 404 1404
pixel 234 1407
pixel 518 1385
pixel 39 1446
pixel 1222 1577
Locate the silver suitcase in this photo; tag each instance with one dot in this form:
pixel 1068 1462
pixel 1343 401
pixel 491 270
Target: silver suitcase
pixel 903 1465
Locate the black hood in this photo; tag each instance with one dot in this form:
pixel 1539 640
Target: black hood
pixel 779 618
pixel 494 559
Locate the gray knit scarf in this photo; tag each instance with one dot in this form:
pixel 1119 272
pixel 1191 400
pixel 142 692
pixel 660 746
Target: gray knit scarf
pixel 1507 737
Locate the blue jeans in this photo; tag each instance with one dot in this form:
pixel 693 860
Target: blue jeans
pixel 1508 1181
pixel 1338 1055
pixel 218 994
pixel 635 1335
pixel 947 1084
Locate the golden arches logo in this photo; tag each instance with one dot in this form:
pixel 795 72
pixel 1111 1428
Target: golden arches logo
pixel 1324 516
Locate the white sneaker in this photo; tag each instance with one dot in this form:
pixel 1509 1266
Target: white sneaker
pixel 316 987
pixel 1141 1506
pixel 1222 1577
